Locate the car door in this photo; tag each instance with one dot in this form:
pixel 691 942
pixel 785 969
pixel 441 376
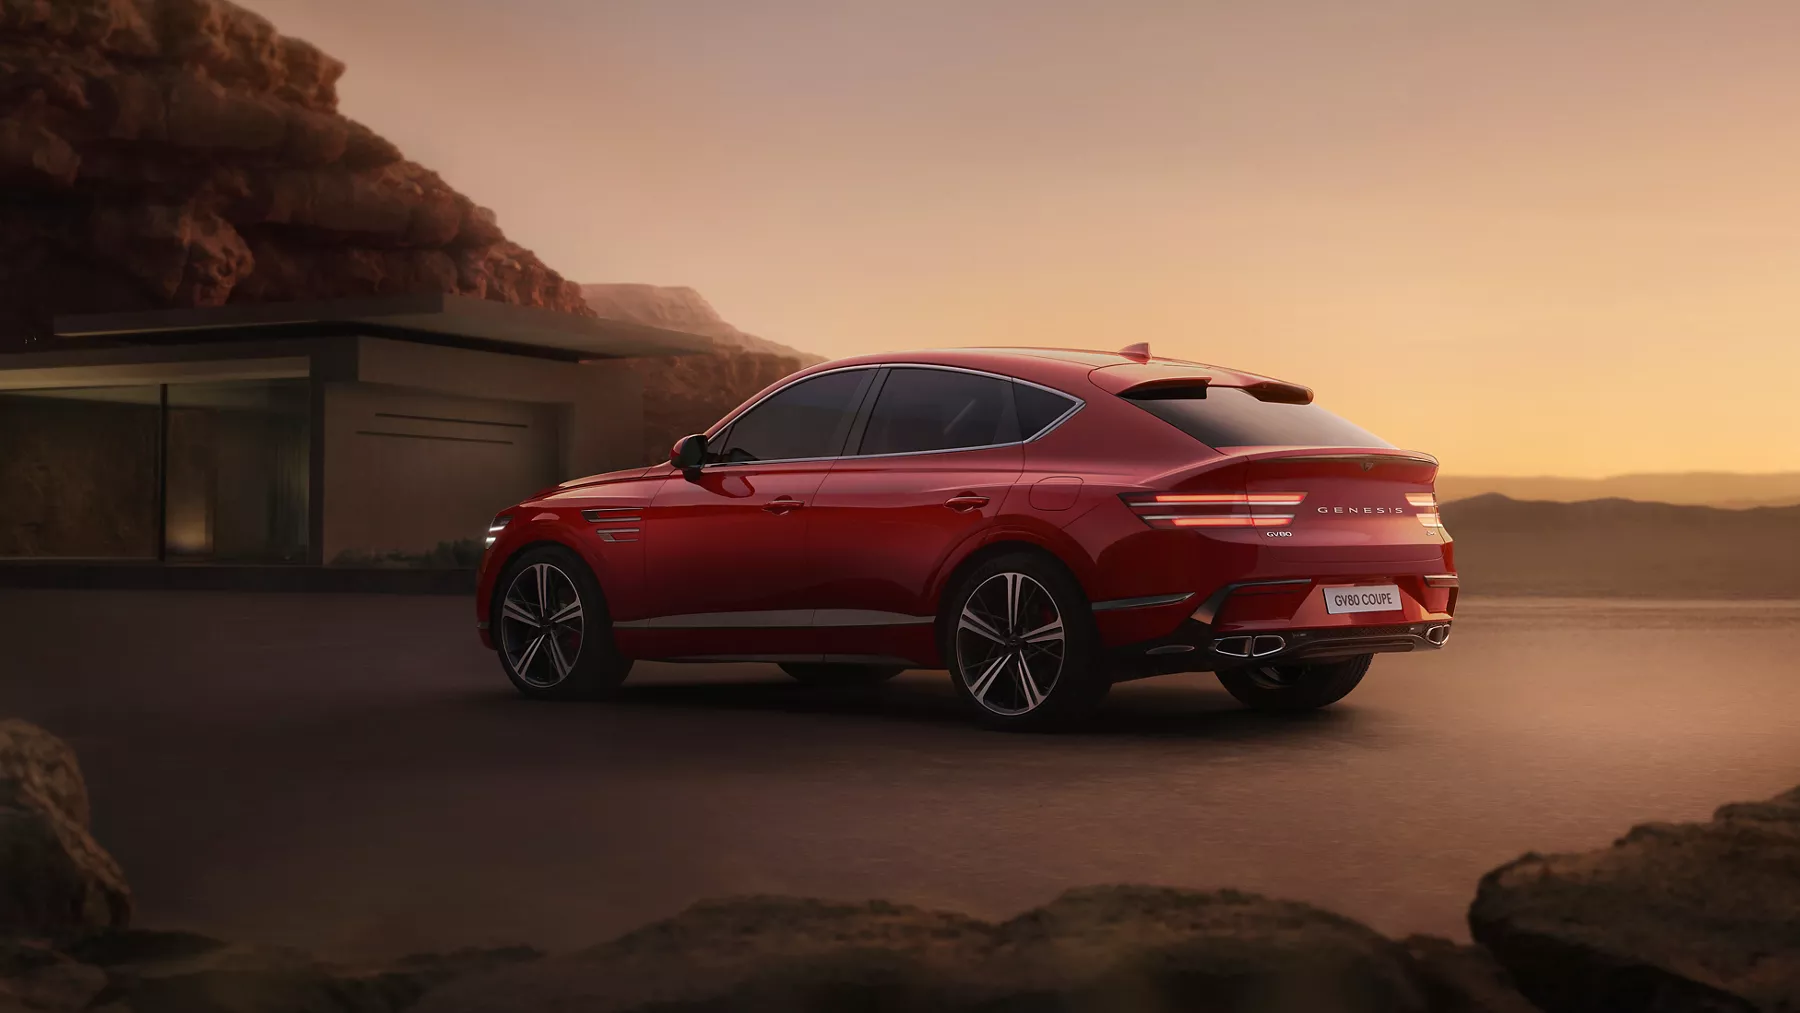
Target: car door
pixel 937 451
pixel 726 548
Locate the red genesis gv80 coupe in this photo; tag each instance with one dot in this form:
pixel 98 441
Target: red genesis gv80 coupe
pixel 1041 522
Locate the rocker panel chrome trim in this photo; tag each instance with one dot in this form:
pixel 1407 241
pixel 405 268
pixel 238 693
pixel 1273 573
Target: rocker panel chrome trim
pixel 776 618
pixel 1148 601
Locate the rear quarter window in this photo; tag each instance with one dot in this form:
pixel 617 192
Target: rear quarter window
pixel 1232 417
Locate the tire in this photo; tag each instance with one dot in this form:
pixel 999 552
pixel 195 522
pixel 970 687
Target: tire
pixel 1295 687
pixel 1023 606
pixel 570 658
pixel 833 674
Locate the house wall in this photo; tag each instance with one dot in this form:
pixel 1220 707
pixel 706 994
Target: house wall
pixel 426 443
pixel 410 444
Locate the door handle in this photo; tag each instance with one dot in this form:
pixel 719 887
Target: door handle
pixel 966 502
pixel 783 505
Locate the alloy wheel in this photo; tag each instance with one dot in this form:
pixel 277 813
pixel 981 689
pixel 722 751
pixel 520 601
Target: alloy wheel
pixel 541 625
pixel 1010 644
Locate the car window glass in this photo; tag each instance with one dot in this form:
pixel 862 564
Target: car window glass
pixel 1233 417
pixel 921 410
pixel 805 419
pixel 1038 407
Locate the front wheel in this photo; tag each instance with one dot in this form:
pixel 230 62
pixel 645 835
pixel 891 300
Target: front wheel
pixel 1021 645
pixel 1295 687
pixel 832 673
pixel 551 628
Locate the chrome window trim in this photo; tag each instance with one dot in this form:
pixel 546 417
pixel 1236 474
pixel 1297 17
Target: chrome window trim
pixel 727 421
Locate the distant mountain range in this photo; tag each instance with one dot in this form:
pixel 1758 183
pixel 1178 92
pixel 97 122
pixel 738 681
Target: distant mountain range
pixel 1619 547
pixel 1700 488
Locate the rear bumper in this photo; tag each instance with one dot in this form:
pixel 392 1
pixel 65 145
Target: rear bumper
pixel 1201 647
pixel 1285 620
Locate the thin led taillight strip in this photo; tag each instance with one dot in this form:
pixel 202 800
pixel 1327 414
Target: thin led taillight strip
pixel 1224 499
pixel 1230 521
pixel 1421 499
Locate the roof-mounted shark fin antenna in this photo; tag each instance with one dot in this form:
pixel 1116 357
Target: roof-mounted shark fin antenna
pixel 1139 352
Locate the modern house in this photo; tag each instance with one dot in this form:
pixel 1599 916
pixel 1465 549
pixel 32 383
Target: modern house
pixel 307 434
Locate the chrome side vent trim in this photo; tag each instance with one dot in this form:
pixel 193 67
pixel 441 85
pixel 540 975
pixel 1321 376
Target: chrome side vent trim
pixel 610 516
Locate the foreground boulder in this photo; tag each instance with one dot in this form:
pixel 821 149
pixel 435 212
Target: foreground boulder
pixel 1120 949
pixel 1699 916
pixel 133 971
pixel 54 878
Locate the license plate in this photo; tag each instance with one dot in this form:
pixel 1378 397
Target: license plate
pixel 1364 598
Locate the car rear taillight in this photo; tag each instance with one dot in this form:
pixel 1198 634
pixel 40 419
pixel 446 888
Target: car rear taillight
pixel 1428 515
pixel 1215 509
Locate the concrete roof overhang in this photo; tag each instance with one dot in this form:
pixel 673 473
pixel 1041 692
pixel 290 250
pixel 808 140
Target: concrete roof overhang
pixel 431 318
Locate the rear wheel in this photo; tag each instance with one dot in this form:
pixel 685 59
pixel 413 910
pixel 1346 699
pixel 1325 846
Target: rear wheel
pixel 1021 645
pixel 1295 687
pixel 551 628
pixel 832 673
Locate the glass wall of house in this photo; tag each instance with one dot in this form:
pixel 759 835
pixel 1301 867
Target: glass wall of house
pixel 181 472
pixel 237 471
pixel 79 472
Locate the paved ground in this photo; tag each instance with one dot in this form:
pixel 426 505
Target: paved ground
pixel 352 772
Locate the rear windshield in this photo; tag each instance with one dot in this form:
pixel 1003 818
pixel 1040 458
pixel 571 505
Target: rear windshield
pixel 1230 417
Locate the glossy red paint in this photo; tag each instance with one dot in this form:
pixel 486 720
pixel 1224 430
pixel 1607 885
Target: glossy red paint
pixel 849 555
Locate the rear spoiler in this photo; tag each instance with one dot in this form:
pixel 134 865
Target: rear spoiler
pixel 1237 457
pixel 1276 391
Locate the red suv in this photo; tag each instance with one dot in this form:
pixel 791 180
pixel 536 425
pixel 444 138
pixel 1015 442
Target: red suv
pixel 1041 522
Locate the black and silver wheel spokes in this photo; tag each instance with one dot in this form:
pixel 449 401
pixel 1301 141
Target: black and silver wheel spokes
pixel 541 625
pixel 1009 644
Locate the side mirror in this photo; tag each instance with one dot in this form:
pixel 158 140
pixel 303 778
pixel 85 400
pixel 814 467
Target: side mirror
pixel 689 453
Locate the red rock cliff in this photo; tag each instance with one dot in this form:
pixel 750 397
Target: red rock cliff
pixel 183 153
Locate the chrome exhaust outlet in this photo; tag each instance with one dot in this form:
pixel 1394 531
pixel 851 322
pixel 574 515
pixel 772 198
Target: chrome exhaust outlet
pixel 1266 645
pixel 1436 635
pixel 1234 647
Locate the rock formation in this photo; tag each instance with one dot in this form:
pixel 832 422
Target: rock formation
pixel 54 878
pixel 680 308
pixel 688 393
pixel 168 153
pixel 1695 916
pixel 162 153
pixel 1121 948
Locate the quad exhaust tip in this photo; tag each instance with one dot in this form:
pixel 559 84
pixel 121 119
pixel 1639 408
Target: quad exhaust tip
pixel 1438 634
pixel 1250 647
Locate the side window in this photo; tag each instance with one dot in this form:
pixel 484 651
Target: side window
pixel 920 410
pixel 805 419
pixel 1039 407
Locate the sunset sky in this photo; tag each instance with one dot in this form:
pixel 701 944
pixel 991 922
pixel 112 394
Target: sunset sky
pixel 1527 238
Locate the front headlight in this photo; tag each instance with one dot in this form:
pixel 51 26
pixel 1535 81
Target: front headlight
pixel 496 526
